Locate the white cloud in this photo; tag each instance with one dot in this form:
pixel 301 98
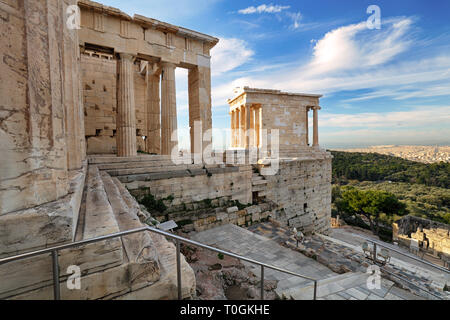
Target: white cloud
pixel 296 17
pixel 353 57
pixel 418 116
pixel 229 54
pixel 264 8
pixel 355 47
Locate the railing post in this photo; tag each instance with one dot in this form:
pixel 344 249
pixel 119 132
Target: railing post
pixel 374 252
pixel 315 290
pixel 262 282
pixel 56 289
pixel 179 270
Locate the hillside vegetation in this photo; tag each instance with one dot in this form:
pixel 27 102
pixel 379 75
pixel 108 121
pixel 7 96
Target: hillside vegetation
pixel 377 167
pixel 375 190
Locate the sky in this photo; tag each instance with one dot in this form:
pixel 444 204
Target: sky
pixel 381 84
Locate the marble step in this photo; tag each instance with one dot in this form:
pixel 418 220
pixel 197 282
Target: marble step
pixel 103 159
pixel 139 247
pixel 328 286
pixel 32 278
pixel 258 182
pixel 259 188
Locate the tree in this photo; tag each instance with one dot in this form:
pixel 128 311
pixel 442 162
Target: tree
pixel 370 204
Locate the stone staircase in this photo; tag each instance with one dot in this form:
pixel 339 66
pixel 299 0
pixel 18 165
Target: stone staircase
pixel 137 266
pixel 259 185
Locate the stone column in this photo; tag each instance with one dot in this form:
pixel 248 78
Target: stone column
pixel 241 126
pixel 316 126
pixel 307 125
pixel 168 108
pixel 233 128
pixel 154 112
pixel 247 126
pixel 126 114
pixel 74 113
pixel 258 126
pixel 199 80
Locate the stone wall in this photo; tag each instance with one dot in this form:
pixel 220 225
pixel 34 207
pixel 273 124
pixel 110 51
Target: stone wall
pixel 41 135
pixel 100 103
pixel 432 236
pixel 195 191
pixel 298 195
pixel 302 191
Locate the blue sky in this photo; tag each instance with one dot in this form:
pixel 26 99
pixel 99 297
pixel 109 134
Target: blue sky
pixel 381 86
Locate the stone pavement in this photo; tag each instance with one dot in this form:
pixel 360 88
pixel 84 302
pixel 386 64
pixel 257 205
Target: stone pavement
pixel 243 242
pixel 422 275
pixel 333 286
pixel 341 256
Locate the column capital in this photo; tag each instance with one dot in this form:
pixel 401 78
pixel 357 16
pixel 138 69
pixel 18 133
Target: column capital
pixel 126 56
pixel 316 108
pixel 166 64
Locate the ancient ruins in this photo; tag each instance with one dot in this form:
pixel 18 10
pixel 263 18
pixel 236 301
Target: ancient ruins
pixel 78 104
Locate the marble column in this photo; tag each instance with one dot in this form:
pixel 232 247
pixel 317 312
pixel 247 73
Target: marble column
pixel 307 125
pixel 233 128
pixel 199 87
pixel 316 126
pixel 247 126
pixel 126 113
pixel 258 126
pixel 154 112
pixel 168 108
pixel 241 126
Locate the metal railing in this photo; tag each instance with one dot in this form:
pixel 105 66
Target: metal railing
pixel 178 240
pixel 374 259
pixel 410 256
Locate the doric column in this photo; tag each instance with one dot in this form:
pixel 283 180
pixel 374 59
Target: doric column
pixel 236 128
pixel 258 126
pixel 316 126
pixel 247 126
pixel 168 108
pixel 199 86
pixel 154 112
pixel 241 126
pixel 126 114
pixel 233 128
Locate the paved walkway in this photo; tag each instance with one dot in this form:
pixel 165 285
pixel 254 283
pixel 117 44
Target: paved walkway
pixel 412 268
pixel 348 286
pixel 243 242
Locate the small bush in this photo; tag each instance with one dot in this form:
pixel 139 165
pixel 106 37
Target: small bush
pixel 152 204
pixel 220 256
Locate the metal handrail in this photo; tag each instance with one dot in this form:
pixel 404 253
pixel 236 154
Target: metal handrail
pixel 54 252
pixel 375 242
pixel 412 283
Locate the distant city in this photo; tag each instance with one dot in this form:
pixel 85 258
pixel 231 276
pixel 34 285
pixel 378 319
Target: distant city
pixel 425 154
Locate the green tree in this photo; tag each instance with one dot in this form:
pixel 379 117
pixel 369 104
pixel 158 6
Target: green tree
pixel 374 205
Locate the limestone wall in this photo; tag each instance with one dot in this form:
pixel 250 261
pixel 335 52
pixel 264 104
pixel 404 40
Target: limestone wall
pixel 189 188
pixel 302 191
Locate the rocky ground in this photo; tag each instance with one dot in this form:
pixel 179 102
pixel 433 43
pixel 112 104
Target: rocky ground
pixel 224 278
